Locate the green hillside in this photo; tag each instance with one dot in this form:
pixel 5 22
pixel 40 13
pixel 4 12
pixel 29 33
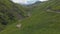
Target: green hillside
pixel 45 19
pixel 9 13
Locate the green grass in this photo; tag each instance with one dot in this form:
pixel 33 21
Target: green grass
pixel 41 22
pixel 10 13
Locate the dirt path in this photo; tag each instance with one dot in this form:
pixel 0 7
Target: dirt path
pixel 55 11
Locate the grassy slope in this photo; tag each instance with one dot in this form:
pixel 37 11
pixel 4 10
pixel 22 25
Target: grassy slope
pixel 41 22
pixel 10 13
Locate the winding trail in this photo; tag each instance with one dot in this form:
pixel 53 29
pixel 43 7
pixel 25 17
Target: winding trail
pixel 50 10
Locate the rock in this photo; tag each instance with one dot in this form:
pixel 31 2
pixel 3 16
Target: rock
pixel 18 25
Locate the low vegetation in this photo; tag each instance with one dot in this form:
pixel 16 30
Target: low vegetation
pixel 40 22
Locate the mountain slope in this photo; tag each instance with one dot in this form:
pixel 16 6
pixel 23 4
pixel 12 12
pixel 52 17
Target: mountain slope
pixel 42 21
pixel 9 13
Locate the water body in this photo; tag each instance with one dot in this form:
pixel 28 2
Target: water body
pixel 27 2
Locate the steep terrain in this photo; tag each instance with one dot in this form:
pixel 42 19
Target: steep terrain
pixel 44 20
pixel 9 13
